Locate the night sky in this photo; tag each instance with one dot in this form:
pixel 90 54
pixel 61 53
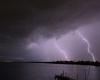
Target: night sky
pixel 47 29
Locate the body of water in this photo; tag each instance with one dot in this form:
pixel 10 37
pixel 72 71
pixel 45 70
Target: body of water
pixel 42 71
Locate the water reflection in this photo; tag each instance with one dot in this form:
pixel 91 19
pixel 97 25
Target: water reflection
pixel 36 71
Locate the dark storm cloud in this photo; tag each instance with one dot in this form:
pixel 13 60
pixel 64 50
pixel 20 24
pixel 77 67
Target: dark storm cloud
pixel 20 17
pixel 24 19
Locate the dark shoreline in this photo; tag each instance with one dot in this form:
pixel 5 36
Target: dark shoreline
pixel 59 62
pixel 77 63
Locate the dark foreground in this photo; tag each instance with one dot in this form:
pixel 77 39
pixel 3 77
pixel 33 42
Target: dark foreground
pixel 47 71
pixel 62 77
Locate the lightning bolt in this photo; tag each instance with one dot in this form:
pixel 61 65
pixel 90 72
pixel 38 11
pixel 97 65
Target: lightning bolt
pixel 61 50
pixel 88 45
